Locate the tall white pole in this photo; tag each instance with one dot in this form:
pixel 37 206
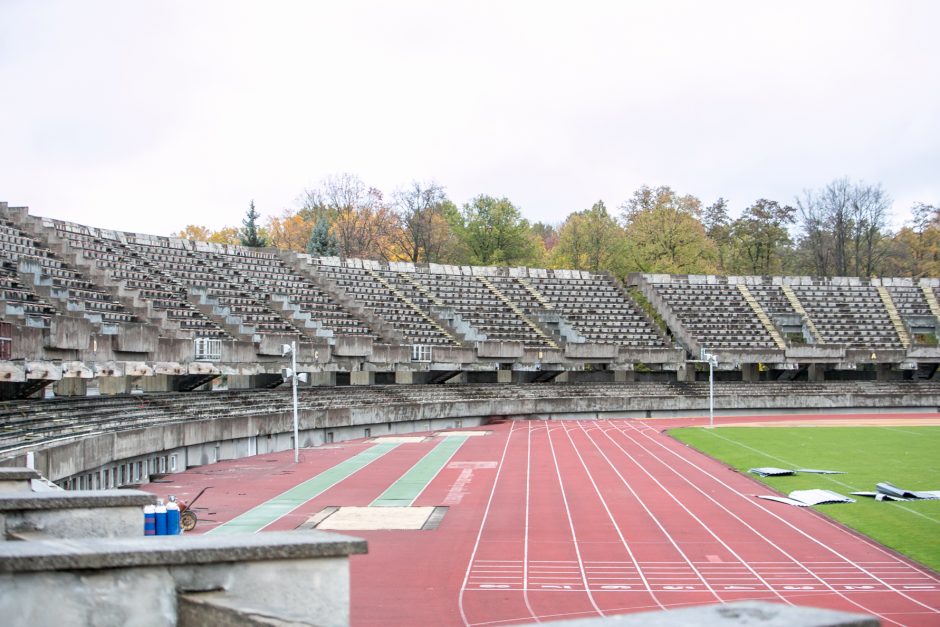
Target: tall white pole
pixel 293 362
pixel 711 392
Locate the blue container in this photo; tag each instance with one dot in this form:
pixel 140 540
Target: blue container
pixel 160 516
pixel 150 520
pixel 172 518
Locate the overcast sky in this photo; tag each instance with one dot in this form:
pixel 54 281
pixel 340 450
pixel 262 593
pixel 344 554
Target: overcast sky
pixel 148 116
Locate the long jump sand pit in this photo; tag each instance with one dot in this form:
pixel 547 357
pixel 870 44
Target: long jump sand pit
pixel 379 518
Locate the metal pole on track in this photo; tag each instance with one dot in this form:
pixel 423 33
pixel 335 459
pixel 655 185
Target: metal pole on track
pixel 711 393
pixel 293 361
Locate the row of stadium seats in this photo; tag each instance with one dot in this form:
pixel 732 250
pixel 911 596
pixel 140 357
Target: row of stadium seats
pixel 189 290
pixel 35 422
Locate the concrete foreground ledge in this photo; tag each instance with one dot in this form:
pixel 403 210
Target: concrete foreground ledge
pixel 102 553
pixel 75 499
pixel 749 613
pixel 17 473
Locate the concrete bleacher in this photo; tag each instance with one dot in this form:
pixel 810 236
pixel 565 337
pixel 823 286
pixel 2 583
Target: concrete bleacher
pixel 594 307
pixel 848 312
pixel 165 314
pixel 160 297
pixel 125 440
pixel 52 282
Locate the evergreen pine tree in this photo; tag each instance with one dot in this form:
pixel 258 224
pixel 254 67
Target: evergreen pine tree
pixel 322 243
pixel 249 235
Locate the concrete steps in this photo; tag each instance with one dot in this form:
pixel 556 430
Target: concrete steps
pixel 414 306
pixel 762 316
pixel 798 308
pixel 537 295
pixel 515 309
pixel 895 317
pixel 931 299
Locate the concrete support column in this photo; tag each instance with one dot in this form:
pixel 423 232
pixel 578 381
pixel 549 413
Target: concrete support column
pixel 458 378
pixel 109 386
pixel 685 373
pixel 624 376
pixel 71 387
pixel 816 373
pixel 322 379
pixel 504 376
pixel 562 377
pixel 885 373
pixel 750 373
pixel 404 377
pixel 239 381
pixel 155 383
pixel 362 377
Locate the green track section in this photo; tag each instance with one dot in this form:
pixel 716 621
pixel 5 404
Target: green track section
pixel 263 515
pixel 403 492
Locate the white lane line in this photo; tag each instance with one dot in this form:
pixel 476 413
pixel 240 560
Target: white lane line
pixel 574 535
pixel 486 513
pixel 654 519
pixel 796 563
pixel 525 546
pixel 753 503
pixel 894 560
pixel 727 547
pixel 634 565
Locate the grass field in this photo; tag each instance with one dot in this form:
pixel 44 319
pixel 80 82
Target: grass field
pixel 908 457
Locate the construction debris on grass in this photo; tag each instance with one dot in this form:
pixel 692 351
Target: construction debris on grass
pixel 806 498
pixel 770 471
pixel 889 492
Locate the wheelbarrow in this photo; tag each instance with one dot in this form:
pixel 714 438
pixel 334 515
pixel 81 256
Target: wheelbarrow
pixel 187 515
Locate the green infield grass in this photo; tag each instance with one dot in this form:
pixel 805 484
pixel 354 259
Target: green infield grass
pixel 908 457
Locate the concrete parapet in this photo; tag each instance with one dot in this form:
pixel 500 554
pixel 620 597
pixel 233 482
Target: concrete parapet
pixel 639 355
pixel 487 349
pixel 816 352
pixel 592 351
pixel 352 346
pixel 69 332
pixel 15 479
pixel 136 338
pixel 75 514
pixel 285 577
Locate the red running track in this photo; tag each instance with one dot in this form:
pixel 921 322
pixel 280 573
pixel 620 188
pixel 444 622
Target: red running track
pixel 569 519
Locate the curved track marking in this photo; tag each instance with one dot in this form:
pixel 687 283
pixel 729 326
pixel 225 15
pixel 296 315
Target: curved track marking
pixel 613 522
pixel 657 522
pixel 700 522
pixel 476 544
pixel 755 531
pixel 835 552
pixel 525 549
pixel 574 535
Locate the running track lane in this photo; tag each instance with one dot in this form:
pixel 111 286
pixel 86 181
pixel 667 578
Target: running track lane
pixel 861 573
pixel 712 541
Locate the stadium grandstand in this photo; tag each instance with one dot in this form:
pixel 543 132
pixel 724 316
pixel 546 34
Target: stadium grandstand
pixel 91 315
pixel 127 359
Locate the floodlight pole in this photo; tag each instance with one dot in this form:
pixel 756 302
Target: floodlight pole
pixel 711 391
pixel 712 361
pixel 293 363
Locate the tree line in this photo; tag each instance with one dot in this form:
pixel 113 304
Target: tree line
pixel 840 229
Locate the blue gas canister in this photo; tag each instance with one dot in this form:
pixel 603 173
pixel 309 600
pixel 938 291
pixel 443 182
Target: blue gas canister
pixel 150 520
pixel 172 517
pixel 160 516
